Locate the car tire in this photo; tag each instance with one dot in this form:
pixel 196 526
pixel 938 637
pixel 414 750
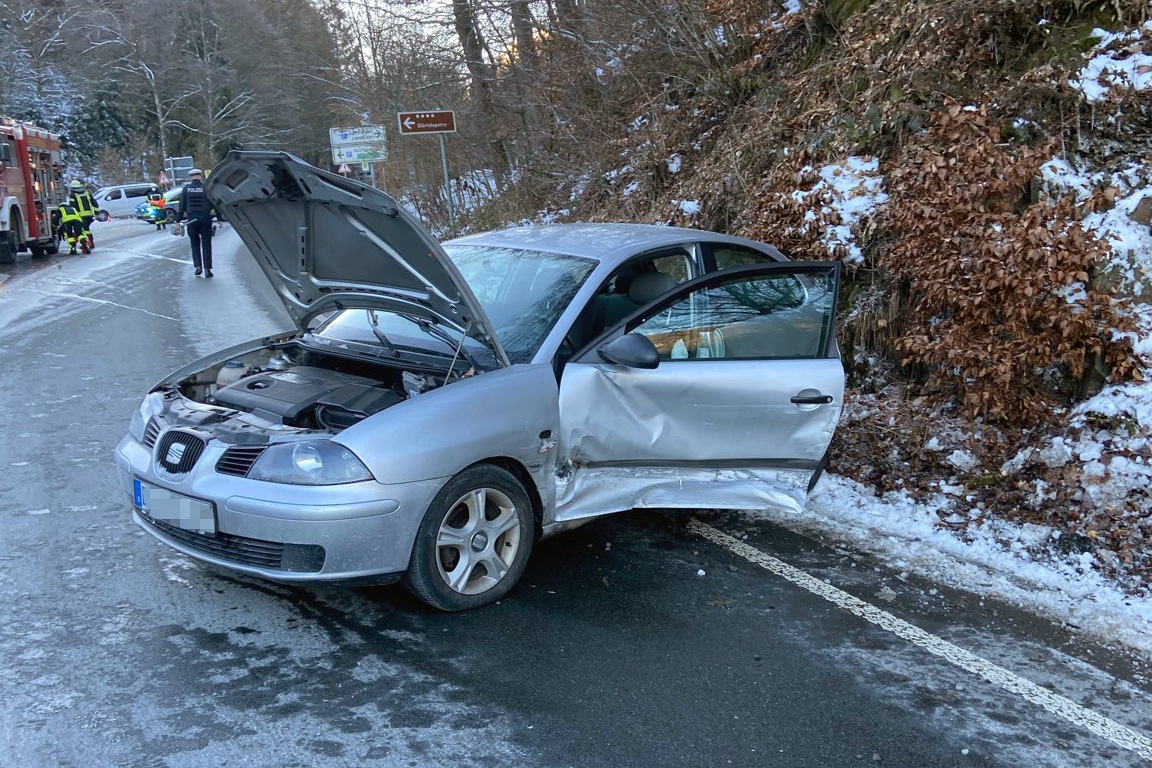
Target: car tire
pixel 7 248
pixel 474 541
pixel 102 216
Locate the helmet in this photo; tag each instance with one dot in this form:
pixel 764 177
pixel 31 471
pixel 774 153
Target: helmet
pixel 195 172
pixel 77 184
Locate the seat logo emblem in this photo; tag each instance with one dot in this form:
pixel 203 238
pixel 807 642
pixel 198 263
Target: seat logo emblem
pixel 175 453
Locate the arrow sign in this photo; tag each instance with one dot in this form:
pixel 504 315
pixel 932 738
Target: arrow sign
pixel 360 135
pixel 441 121
pixel 359 153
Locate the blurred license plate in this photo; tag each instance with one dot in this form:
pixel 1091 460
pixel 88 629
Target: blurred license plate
pixel 175 509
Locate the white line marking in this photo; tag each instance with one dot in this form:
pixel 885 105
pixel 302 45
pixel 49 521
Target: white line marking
pixel 157 256
pixel 99 301
pixel 1118 733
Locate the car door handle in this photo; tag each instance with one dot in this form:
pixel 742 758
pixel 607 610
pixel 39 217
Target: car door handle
pixel 812 400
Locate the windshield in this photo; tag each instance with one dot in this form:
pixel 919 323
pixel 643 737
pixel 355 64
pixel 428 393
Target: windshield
pixel 523 292
pixel 390 335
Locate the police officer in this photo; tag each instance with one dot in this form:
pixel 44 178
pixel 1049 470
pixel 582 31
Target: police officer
pixel 72 225
pixel 198 209
pixel 81 200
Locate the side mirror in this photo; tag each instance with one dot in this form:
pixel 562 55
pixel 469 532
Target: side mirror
pixel 632 350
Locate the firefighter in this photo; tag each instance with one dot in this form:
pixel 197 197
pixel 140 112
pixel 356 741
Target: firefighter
pixel 72 225
pixel 156 210
pixel 82 200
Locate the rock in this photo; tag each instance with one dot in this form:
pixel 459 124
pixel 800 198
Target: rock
pixel 1142 213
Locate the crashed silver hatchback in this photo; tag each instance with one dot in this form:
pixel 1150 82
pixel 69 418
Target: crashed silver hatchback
pixel 441 407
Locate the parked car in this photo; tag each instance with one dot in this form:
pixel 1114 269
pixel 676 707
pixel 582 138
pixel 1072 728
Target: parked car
pixel 441 407
pixel 171 200
pixel 120 200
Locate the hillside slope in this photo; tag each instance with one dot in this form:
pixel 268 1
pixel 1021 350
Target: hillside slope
pixel 982 168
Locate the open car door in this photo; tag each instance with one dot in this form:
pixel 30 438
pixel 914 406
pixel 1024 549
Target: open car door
pixel 722 393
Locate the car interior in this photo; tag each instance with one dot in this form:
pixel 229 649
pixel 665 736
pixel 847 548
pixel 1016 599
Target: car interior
pixel 633 285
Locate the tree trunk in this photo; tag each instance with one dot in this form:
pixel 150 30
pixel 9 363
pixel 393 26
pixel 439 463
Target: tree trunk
pixel 480 74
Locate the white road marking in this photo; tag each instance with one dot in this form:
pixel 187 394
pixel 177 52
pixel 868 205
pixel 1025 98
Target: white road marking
pixel 1118 733
pixel 157 256
pixel 99 301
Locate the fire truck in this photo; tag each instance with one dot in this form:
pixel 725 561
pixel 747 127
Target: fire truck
pixel 31 189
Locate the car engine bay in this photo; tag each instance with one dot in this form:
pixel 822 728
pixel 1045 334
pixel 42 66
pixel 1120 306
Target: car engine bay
pixel 286 388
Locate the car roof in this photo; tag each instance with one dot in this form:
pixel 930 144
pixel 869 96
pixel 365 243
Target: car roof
pixel 608 242
pixel 126 186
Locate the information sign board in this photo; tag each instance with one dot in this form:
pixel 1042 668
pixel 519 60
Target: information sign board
pixel 363 134
pixel 437 121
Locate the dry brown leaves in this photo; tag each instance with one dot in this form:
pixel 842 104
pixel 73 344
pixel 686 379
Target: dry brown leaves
pixel 904 443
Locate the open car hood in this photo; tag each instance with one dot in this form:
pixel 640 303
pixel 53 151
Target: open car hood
pixel 329 243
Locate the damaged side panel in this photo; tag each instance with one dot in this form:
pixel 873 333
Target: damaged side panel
pixel 708 433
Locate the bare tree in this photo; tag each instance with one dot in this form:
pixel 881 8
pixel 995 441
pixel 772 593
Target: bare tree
pixel 135 43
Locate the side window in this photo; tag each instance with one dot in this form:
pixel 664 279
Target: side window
pixel 113 195
pixel 782 315
pixel 678 266
pixel 629 288
pixel 138 191
pixel 735 256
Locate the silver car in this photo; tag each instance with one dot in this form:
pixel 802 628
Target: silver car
pixel 441 407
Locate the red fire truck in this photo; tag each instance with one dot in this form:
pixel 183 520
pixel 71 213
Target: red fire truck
pixel 31 188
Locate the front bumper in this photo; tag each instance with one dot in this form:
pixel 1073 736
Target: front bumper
pixel 291 533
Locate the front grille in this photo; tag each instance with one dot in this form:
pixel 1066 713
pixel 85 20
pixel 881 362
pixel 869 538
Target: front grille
pixel 238 459
pixel 151 432
pixel 239 549
pixel 179 451
pixel 271 555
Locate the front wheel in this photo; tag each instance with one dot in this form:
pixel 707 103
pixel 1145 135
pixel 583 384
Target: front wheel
pixel 102 216
pixel 474 541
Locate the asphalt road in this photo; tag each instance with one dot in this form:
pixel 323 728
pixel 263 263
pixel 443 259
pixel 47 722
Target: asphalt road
pixel 644 639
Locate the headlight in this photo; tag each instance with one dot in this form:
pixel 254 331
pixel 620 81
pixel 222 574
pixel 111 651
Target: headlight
pixel 152 405
pixel 136 426
pixel 311 462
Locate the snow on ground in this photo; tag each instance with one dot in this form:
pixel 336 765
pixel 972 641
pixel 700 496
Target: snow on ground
pixel 1019 562
pixel 994 558
pixel 1116 62
pixel 1016 562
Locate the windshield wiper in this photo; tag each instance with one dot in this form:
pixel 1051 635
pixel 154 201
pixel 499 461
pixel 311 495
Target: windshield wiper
pixel 458 346
pixel 375 325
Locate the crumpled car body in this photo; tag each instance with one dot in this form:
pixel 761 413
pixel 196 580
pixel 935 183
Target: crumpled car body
pixel 439 408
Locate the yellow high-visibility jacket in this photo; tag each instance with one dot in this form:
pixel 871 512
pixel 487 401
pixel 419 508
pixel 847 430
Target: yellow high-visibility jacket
pixel 84 203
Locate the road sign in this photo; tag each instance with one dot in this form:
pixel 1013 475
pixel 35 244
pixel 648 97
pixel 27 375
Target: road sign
pixel 344 168
pixel 362 144
pixel 364 134
pixel 443 121
pixel 177 168
pixel 359 153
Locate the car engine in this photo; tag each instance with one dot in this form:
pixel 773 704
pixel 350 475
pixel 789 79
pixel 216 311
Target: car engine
pixel 267 390
pixel 335 400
